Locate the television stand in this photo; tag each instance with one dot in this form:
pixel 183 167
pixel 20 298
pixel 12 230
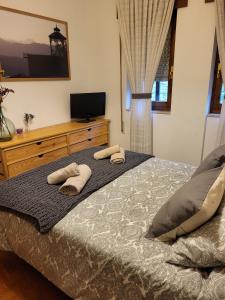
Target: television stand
pixel 87 120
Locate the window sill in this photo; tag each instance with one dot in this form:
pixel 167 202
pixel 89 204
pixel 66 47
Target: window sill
pixel 211 115
pixel 164 112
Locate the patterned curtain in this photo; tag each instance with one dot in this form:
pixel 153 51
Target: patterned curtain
pixel 143 25
pixel 220 35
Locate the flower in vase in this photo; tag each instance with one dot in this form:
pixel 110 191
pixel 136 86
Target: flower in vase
pixel 4 92
pixel 27 120
pixel 28 117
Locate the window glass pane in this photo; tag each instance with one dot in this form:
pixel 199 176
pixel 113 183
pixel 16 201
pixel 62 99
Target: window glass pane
pixel 163 91
pixel 222 94
pixel 154 91
pixel 160 91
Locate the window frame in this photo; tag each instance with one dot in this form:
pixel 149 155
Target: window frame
pixel 215 106
pixel 166 106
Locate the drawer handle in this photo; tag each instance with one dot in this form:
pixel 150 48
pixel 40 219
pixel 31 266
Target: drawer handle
pixel 38 143
pixel 89 129
pixel 89 140
pixel 40 155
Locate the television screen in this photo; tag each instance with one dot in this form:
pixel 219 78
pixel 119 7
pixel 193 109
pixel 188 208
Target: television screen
pixel 87 105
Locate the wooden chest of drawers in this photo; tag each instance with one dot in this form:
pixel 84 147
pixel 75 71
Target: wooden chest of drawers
pixel 45 145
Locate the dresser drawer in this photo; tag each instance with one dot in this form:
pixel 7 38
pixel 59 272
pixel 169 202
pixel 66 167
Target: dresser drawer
pixel 34 162
pixel 88 133
pixel 34 149
pixel 97 141
pixel 1 168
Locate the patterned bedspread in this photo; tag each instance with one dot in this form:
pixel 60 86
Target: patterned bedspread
pixel 98 251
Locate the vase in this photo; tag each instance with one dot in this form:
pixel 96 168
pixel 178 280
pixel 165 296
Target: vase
pixel 7 128
pixel 27 127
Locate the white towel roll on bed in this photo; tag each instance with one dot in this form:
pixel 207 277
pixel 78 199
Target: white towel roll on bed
pixel 74 185
pixel 118 158
pixel 63 173
pixel 106 152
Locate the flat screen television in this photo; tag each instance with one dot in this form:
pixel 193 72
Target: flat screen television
pixel 85 106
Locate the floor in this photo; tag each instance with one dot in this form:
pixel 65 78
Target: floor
pixel 19 281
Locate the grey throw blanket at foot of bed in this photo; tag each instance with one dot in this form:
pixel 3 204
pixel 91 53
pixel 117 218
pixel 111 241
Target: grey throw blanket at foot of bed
pixel 30 195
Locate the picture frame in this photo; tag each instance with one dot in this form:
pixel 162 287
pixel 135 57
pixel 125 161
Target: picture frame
pixel 37 49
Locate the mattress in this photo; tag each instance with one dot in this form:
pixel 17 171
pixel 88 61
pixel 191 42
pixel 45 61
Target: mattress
pixel 98 250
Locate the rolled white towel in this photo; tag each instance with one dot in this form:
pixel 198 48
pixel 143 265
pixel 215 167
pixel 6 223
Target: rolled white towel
pixel 63 173
pixel 118 158
pixel 106 152
pixel 74 185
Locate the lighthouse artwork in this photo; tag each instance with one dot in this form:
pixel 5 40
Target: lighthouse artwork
pixel 57 43
pixel 36 49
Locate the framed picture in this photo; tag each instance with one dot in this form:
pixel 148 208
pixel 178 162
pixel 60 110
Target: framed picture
pixel 32 47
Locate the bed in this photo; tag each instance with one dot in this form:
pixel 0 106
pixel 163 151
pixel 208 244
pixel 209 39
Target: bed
pixel 99 250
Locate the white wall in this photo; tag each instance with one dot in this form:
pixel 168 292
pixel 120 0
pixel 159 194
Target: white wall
pixel 94 55
pixel 210 136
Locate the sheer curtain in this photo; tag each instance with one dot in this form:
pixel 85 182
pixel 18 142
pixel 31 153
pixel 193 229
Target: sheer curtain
pixel 220 35
pixel 143 28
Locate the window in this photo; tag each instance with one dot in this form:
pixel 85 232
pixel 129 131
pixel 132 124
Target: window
pixel 218 92
pixel 160 90
pixel 162 87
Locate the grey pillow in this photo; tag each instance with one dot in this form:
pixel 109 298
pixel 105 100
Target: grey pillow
pixel 214 160
pixel 190 207
pixel 203 248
